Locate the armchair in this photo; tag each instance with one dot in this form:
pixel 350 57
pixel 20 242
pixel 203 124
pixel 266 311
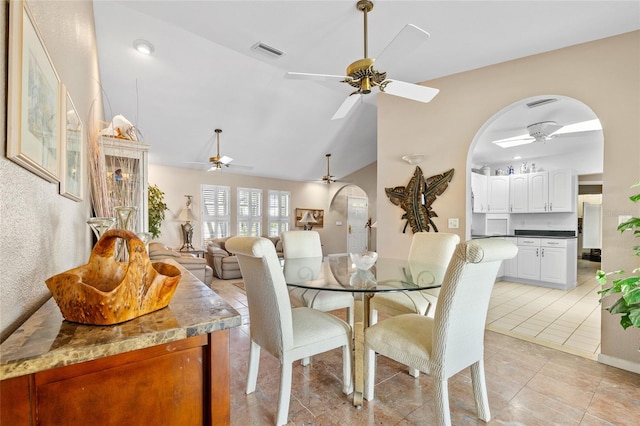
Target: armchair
pixel 225 264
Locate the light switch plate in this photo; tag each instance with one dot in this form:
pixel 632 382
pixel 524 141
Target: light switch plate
pixel 623 218
pixel 453 223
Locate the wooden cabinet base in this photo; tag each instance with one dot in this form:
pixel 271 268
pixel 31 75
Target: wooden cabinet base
pixel 181 383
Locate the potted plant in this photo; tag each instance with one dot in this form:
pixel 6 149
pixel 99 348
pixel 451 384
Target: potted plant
pixel 628 286
pixel 157 207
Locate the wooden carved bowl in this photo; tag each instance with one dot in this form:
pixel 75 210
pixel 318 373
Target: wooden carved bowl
pixel 106 291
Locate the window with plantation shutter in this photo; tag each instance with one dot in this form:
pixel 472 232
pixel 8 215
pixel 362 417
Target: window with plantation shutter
pixel 249 212
pixel 278 212
pixel 215 212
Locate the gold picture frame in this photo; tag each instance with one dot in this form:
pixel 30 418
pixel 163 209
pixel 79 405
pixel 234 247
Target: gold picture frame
pixel 33 98
pixel 317 214
pixel 72 150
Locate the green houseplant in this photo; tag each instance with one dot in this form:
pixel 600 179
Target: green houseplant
pixel 628 304
pixel 157 207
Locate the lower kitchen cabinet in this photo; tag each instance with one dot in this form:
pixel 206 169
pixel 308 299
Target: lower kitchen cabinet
pixel 547 262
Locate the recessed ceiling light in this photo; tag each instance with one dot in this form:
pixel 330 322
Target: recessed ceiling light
pixel 517 157
pixel 143 46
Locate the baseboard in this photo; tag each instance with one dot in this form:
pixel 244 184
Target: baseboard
pixel 623 364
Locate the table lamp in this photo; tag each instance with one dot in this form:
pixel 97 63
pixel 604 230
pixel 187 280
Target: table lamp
pixel 187 229
pixel 308 220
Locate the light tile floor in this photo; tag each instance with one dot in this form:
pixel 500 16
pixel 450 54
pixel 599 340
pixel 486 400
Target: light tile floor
pixel 565 320
pixel 528 384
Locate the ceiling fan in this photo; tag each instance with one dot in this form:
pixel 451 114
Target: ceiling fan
pixel 218 161
pixel 363 76
pixel 328 178
pixel 547 130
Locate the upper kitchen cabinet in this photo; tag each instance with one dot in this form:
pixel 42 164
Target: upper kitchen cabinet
pixel 498 194
pixel 538 192
pixel 518 200
pixel 552 191
pixel 479 192
pixel 563 191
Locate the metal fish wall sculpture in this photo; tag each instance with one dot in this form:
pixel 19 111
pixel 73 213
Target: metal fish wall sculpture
pixel 416 199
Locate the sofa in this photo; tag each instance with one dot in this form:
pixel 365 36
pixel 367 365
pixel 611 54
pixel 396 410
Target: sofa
pixel 224 264
pixel 192 263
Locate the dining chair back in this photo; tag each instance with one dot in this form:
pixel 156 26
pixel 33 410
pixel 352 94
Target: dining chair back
pixel 298 245
pixel 432 248
pixel 288 334
pixel 454 338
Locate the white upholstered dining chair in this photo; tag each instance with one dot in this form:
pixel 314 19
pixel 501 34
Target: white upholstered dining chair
pixel 287 333
pixel 306 245
pixel 432 248
pixel 454 338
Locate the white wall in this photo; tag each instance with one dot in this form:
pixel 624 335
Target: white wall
pixel 178 182
pixel 604 75
pixel 41 232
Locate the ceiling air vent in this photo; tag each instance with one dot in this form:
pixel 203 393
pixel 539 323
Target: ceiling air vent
pixel 265 49
pixel 541 102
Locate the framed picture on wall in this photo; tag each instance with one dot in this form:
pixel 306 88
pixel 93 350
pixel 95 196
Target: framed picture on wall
pixel 33 99
pixel 309 218
pixel 72 150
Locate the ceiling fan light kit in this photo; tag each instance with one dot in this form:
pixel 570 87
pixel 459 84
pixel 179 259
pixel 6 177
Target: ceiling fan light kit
pixel 547 130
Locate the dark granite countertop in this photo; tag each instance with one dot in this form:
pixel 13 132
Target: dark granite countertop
pixel 46 340
pixel 534 234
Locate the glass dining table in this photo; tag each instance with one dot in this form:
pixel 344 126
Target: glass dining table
pixel 336 272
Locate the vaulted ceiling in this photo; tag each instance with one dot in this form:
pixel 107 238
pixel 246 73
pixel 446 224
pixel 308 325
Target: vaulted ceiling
pixel 204 74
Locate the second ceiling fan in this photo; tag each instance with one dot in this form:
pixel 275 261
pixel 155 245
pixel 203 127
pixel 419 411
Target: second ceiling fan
pixel 363 76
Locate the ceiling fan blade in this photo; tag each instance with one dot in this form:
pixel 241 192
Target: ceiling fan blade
pixel 410 91
pixel 225 160
pixel 406 41
pixel 310 76
pixel 346 106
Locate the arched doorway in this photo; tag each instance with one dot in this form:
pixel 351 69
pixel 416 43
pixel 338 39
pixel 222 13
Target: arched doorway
pixel 534 120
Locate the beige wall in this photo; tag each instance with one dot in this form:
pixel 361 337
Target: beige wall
pixel 178 182
pixel 605 75
pixel 41 232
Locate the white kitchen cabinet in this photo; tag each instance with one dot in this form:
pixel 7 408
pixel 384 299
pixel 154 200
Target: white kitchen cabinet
pixel 538 192
pixel 550 262
pixel 498 194
pixel 552 191
pixel 479 192
pixel 562 190
pixel 518 193
pixel 510 266
pixel 528 258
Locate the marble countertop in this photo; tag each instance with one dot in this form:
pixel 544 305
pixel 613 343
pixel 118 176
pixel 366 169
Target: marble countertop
pixel 46 340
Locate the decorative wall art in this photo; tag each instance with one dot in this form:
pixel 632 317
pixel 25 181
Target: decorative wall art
pixel 72 151
pixel 34 119
pixel 417 197
pixel 315 218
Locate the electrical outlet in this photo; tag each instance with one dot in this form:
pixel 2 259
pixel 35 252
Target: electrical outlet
pixel 453 223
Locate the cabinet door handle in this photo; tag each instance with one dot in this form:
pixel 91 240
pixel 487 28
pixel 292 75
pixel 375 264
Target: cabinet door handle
pixel 550 206
pixel 545 207
pixel 551 243
pixel 537 252
pixel 510 207
pixel 542 252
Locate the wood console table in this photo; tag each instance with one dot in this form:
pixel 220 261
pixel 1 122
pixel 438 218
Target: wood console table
pixel 169 367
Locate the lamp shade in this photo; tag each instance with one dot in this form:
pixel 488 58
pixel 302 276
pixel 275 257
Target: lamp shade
pixel 187 215
pixel 308 218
